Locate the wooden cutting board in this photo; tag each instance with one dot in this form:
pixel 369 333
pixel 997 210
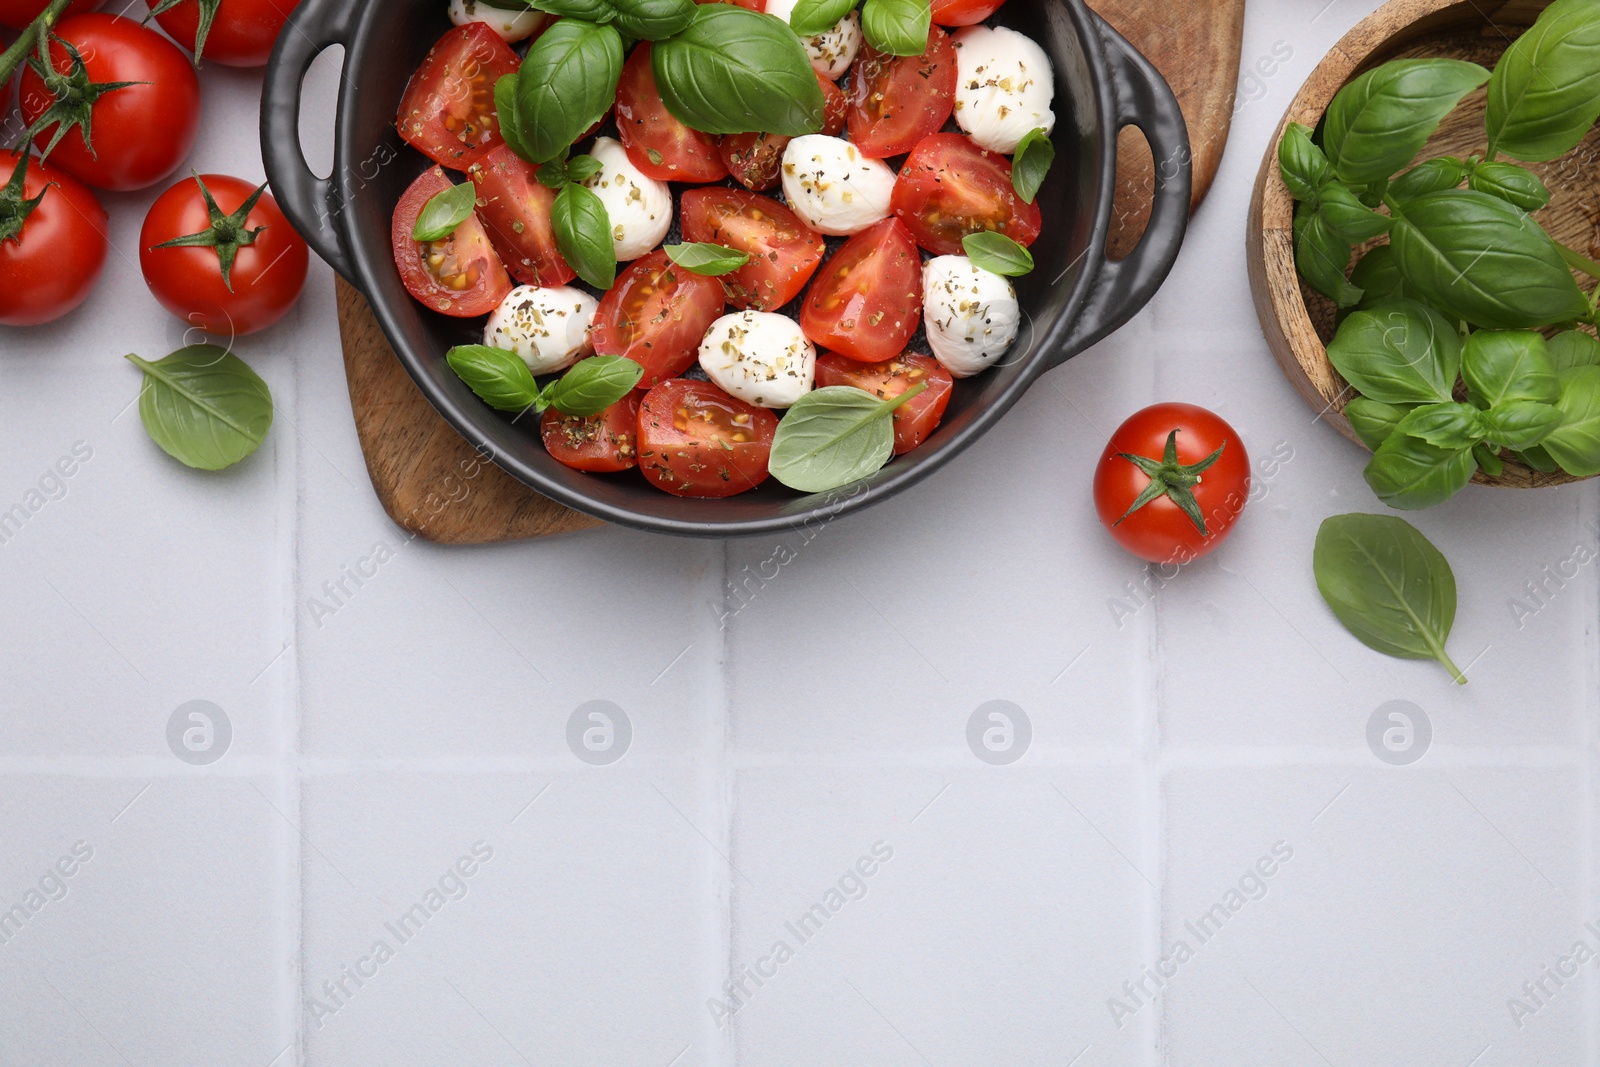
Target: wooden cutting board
pixel 434 485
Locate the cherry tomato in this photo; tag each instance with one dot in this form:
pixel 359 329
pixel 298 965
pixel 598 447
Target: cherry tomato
pixel 142 132
pixel 656 142
pixel 603 443
pixel 753 5
pixel 949 188
pixel 18 14
pixel 459 276
pixel 448 110
pixel 696 440
pixel 916 418
pixel 656 315
pixel 515 210
pixel 242 31
pixel 963 12
pixel 754 159
pixel 896 101
pixel 784 253
pixel 1207 472
pixel 264 280
pixel 867 300
pixel 56 258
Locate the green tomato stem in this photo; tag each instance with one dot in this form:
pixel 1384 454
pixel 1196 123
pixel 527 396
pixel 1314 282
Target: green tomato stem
pixel 1578 261
pixel 13 57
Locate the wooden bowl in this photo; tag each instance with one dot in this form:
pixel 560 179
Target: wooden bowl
pixel 1297 320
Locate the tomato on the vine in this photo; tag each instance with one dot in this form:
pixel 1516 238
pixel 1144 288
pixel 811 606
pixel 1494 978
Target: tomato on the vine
pixel 51 259
pixel 1172 483
pixel 237 33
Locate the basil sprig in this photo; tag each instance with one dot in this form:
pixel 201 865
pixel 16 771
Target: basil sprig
pixel 566 84
pixel 811 17
pixel 560 172
pixel 834 436
pixel 1031 163
pixel 733 70
pixel 583 234
pixel 204 406
pixel 711 260
pixel 1380 121
pixel 998 253
pixel 443 213
pixel 898 27
pixel 503 381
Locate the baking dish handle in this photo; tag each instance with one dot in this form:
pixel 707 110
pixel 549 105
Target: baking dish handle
pixel 311 203
pixel 1124 287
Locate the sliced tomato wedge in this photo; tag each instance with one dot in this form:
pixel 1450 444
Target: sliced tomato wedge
pixel 896 101
pixel 448 112
pixel 916 418
pixel 656 315
pixel 459 276
pixel 515 211
pixel 949 188
pixel 754 159
pixel 784 252
pixel 603 443
pixel 867 300
pixel 656 142
pixel 963 12
pixel 696 440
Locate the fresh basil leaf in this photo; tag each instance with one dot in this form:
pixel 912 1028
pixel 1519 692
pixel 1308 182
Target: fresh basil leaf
pixel 811 17
pixel 1477 258
pixel 998 253
pixel 583 234
pixel 898 27
pixel 1322 257
pixel 204 406
pixel 1402 352
pixel 587 10
pixel 1488 460
pixel 1389 586
pixel 592 385
pixel 581 168
pixel 1574 348
pixel 653 20
pixel 1575 444
pixel 567 83
pixel 1373 420
pixel 1538 459
pixel 1377 277
pixel 711 260
pixel 738 71
pixel 1380 121
pixel 1451 425
pixel 499 378
pixel 1429 176
pixel 1516 185
pixel 507 119
pixel 1031 163
pixel 1545 92
pixel 834 436
pixel 1501 365
pixel 1409 474
pixel 1304 167
pixel 553 175
pixel 443 213
pixel 1520 423
pixel 1347 217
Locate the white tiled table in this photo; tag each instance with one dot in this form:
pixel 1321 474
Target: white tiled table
pixel 228 913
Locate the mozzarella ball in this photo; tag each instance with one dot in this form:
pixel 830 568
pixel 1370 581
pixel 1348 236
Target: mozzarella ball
pixel 512 25
pixel 761 358
pixel 548 328
pixel 971 314
pixel 640 207
pixel 1004 87
pixel 831 51
pixel 833 187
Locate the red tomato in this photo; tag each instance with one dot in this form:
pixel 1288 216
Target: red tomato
pixel 696 440
pixel 916 418
pixel 459 276
pixel 753 5
pixel 949 188
pixel 1161 531
pixel 515 210
pixel 448 110
pixel 963 12
pixel 657 143
pixel 896 101
pixel 242 32
pixel 754 158
pixel 656 315
pixel 18 14
pixel 55 259
pixel 784 253
pixel 604 443
pixel 267 274
pixel 142 132
pixel 867 301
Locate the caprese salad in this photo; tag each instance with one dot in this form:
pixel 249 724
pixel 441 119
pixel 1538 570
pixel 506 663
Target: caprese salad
pixel 747 241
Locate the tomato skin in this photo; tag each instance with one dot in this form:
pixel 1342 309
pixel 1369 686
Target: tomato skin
pixel 515 211
pixel 656 142
pixel 454 87
pixel 963 12
pixel 867 299
pixel 916 418
pixel 896 101
pixel 753 5
pixel 1160 532
pixel 242 33
pixel 267 275
pixel 62 250
pixel 603 443
pixel 656 315
pixel 468 251
pixel 754 159
pixel 141 133
pixel 949 188
pixel 784 252
pixel 19 14
pixel 695 440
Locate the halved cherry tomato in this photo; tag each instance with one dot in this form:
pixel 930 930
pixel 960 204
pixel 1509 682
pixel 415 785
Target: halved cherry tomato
pixel 916 418
pixel 949 188
pixel 657 143
pixel 754 159
pixel 459 276
pixel 242 32
pixel 606 442
pixel 963 12
pixel 515 211
pixel 867 301
pixel 784 253
pixel 656 315
pixel 448 111
pixel 696 440
pixel 896 101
